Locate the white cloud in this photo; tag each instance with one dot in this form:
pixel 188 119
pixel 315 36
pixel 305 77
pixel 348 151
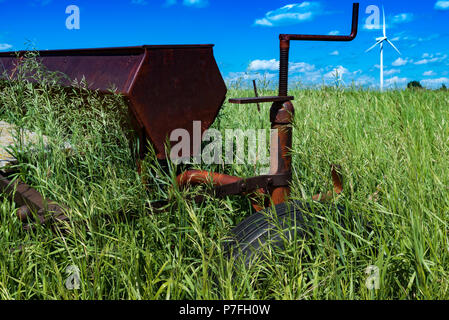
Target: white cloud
pixel 396 82
pixel 431 58
pixel 391 72
pixel 402 36
pixel 338 72
pixel 372 26
pixel 402 18
pixel 442 5
pixel 188 3
pixel 301 73
pixel 264 22
pixel 301 67
pixel 423 61
pixel 391 21
pixel 365 80
pixel 347 76
pixel 290 14
pixel 334 33
pixel 429 38
pixel 196 3
pixel 435 83
pixel 5 46
pixel 249 76
pixel 401 62
pixel 273 65
pixel 312 77
pixel 335 53
pixel 258 65
pixel 429 73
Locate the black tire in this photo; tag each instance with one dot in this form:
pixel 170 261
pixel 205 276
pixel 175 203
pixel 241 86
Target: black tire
pixel 272 225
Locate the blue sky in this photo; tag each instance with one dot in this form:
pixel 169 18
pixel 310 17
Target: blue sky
pixel 245 33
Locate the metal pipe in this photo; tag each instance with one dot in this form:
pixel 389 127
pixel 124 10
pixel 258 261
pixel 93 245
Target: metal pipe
pixel 196 177
pixel 281 145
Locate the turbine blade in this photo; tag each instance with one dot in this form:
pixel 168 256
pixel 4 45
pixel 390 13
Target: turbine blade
pixel 384 27
pixel 374 46
pixel 394 47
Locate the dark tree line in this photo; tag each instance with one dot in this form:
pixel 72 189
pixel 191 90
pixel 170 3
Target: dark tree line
pixel 417 85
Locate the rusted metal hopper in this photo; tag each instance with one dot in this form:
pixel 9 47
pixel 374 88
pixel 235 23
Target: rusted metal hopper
pixel 167 87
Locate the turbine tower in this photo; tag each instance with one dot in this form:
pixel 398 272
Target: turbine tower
pixel 380 41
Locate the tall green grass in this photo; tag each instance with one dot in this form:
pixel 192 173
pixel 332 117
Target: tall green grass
pixel 393 149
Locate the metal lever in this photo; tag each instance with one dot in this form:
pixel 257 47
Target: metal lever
pixel 261 99
pixel 311 37
pixel 285 47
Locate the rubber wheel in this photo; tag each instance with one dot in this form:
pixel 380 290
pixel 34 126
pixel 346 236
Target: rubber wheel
pixel 286 221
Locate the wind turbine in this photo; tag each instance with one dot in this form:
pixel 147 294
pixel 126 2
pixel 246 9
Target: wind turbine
pixel 380 41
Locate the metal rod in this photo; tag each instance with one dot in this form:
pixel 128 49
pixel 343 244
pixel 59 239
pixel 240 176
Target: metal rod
pixel 196 177
pixel 283 68
pixel 256 94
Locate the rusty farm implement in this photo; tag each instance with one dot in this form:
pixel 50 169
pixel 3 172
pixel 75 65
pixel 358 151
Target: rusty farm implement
pixel 168 87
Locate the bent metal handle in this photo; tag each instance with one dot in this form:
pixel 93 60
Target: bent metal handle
pixel 311 37
pixel 285 47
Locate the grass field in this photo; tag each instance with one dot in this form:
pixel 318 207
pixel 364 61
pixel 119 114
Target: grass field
pixel 393 149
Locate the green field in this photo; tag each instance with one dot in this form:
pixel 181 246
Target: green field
pixel 393 149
